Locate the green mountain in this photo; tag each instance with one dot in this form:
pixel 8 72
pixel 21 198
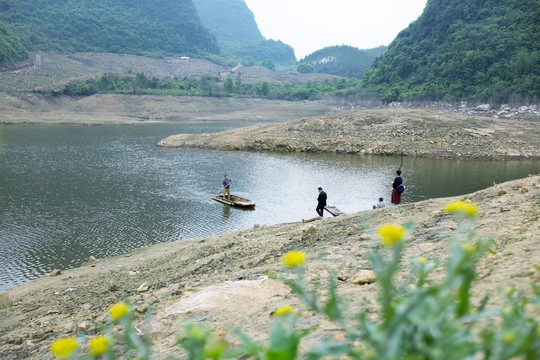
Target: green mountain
pixel 237 32
pixel 12 50
pixel 230 20
pixel 141 27
pixel 343 60
pixel 484 49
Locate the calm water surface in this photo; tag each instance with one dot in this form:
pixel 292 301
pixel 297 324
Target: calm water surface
pixel 70 192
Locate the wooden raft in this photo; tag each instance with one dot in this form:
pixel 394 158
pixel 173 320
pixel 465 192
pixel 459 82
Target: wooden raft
pixel 334 210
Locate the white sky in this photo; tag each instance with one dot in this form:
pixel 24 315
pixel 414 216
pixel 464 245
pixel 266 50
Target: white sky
pixel 310 25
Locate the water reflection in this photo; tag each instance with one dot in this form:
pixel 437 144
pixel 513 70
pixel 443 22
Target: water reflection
pixel 226 213
pixel 69 192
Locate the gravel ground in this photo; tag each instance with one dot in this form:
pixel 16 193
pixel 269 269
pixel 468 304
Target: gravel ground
pixel 220 281
pixel 410 132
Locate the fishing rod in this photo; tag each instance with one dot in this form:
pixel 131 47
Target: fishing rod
pixel 401 165
pixel 236 178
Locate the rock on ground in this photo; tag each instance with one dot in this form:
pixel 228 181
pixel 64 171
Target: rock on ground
pixel 229 279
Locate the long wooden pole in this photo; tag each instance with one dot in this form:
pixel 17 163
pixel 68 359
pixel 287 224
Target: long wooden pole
pixel 236 178
pixel 401 165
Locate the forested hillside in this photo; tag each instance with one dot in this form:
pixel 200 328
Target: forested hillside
pixel 237 32
pixel 11 49
pixel 231 21
pixel 142 27
pixel 484 49
pixel 343 60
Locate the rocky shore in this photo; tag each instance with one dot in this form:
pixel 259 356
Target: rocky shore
pixel 229 279
pixel 432 133
pixel 503 111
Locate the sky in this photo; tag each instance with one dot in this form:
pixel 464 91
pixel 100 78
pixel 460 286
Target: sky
pixel 310 25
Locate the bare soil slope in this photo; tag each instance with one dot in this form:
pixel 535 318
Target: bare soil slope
pixel 49 70
pixel 32 108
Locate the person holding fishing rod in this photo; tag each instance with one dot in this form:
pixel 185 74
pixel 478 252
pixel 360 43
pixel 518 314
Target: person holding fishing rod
pixel 397 188
pixel 397 185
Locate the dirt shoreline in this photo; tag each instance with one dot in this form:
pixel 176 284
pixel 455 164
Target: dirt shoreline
pixel 113 109
pixel 229 272
pixel 428 133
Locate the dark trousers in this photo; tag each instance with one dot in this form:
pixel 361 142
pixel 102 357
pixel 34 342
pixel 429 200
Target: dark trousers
pixel 320 209
pixel 396 197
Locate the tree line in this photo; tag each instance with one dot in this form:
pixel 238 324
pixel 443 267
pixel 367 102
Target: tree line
pixel 209 85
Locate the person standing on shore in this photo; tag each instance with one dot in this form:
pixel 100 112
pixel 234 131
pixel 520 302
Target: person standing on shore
pixel 321 202
pixel 226 187
pixel 396 195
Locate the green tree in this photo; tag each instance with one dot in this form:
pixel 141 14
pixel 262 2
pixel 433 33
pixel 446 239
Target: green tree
pixel 248 61
pixel 238 83
pixel 262 89
pixel 228 85
pixel 304 68
pixel 269 64
pixel 141 82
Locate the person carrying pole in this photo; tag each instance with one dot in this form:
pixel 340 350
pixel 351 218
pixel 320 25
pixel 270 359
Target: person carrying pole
pixel 226 187
pixel 226 184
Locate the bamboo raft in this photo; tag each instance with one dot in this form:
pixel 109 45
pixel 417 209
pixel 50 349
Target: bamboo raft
pixel 235 201
pixel 333 210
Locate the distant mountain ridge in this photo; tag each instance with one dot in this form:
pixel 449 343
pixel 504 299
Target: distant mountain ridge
pixel 484 49
pixel 141 27
pixel 234 26
pixel 229 20
pixel 343 60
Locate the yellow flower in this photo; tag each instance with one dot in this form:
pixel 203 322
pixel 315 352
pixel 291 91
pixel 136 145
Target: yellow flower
pixel 98 346
pixel 509 291
pixel 196 333
pixel 468 248
pixel 508 310
pixel 509 337
pixel 118 311
pixel 283 310
pixel 391 234
pixel 294 258
pixel 462 207
pixel 422 260
pixel 63 348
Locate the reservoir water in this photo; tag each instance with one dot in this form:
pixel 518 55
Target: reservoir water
pixel 70 192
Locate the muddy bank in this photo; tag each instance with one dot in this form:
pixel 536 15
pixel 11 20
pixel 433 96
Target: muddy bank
pixel 188 280
pixel 35 108
pixel 412 132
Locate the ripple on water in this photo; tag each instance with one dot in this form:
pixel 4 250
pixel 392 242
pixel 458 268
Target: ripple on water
pixel 68 193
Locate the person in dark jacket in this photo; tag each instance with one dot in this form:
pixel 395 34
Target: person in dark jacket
pixel 321 202
pixel 396 195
